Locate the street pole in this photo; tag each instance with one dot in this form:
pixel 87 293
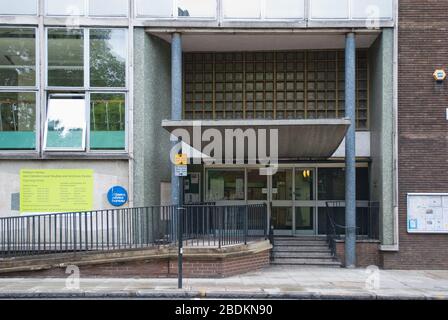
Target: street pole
pixel 350 151
pixel 180 210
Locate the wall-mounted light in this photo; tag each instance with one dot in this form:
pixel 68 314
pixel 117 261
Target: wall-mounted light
pixel 439 75
pixel 306 173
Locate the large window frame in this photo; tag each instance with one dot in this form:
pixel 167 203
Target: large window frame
pixel 263 14
pixel 36 3
pixel 174 13
pixel 28 89
pixel 87 90
pixel 87 12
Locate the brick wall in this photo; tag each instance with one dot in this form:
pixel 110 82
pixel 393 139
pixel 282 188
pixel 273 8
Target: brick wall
pixel 367 253
pixel 422 126
pixel 166 267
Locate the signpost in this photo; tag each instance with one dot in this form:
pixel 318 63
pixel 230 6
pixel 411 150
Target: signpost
pixel 181 161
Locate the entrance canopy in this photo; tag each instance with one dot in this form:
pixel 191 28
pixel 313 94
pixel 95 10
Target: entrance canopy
pixel 290 139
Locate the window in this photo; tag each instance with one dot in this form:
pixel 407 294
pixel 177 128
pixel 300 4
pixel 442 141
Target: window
pixel 109 8
pixel 273 85
pixel 182 8
pixel 17 120
pixel 154 8
pixel 372 9
pixel 250 9
pixel 90 113
pixel 107 121
pixel 18 7
pixel 66 122
pixel 108 58
pixel 196 8
pixel 225 185
pixel 65 7
pixel 331 184
pixel 285 9
pixel 66 57
pixel 330 9
pixel 257 185
pixel 18 57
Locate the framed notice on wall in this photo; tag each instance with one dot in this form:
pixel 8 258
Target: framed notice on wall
pixel 46 191
pixel 427 213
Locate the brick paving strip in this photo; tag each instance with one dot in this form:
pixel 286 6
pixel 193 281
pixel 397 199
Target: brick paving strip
pixel 272 282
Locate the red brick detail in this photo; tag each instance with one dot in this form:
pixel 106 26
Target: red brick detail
pixel 422 127
pixel 192 268
pixel 367 253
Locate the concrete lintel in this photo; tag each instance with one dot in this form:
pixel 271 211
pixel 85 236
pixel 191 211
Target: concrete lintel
pixel 313 139
pixel 235 29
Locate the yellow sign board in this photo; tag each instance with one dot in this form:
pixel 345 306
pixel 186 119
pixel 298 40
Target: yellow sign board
pixel 56 190
pixel 181 159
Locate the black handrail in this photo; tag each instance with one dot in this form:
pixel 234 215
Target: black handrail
pixel 367 226
pixel 131 228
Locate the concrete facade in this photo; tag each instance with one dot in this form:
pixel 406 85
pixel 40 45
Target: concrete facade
pixel 382 131
pixel 152 104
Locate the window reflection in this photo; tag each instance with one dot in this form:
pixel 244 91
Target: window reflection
pixel 107 57
pixel 196 8
pixel 18 57
pixel 66 57
pixel 107 121
pixel 225 185
pixel 66 122
pixel 17 120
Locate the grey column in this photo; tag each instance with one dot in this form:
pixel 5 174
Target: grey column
pixel 350 152
pixel 176 103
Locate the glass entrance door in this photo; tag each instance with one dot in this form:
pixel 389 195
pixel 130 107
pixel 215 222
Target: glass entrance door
pixel 292 194
pixel 281 194
pixel 304 201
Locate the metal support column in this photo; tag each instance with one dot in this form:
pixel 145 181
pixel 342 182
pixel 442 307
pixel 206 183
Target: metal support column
pixel 350 151
pixel 176 103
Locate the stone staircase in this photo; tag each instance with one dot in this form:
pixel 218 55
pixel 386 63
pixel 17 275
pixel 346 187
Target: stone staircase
pixel 303 251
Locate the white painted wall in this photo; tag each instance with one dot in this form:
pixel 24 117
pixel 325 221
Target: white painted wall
pixel 107 173
pixel 362 146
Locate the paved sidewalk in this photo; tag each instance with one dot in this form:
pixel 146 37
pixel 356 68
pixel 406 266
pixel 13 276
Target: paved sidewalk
pixel 272 282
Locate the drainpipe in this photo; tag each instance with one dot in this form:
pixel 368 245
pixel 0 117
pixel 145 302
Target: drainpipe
pixel 350 151
pixel 176 104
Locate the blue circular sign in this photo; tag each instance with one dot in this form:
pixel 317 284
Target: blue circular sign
pixel 117 196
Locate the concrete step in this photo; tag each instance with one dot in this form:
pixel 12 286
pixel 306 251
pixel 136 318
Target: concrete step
pixel 307 262
pixel 300 243
pixel 303 255
pixel 303 238
pixel 301 249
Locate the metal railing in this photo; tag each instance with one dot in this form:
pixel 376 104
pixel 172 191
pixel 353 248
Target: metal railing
pixel 131 228
pixel 367 222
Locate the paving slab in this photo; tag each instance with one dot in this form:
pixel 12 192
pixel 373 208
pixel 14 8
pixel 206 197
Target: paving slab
pixel 281 282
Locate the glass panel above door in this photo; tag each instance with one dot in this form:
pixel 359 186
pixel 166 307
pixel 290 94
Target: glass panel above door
pixel 282 185
pixel 257 185
pixel 225 185
pixel 304 184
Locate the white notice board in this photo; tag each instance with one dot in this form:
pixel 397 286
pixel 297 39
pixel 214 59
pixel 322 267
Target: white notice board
pixel 427 213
